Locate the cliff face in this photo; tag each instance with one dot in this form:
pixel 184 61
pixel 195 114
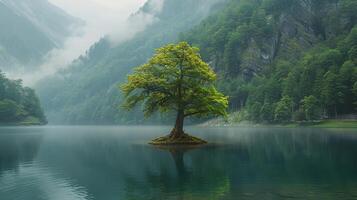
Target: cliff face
pixel 253 35
pixel 293 33
pixel 276 54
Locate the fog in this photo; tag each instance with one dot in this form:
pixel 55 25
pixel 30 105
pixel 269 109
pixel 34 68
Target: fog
pixel 102 18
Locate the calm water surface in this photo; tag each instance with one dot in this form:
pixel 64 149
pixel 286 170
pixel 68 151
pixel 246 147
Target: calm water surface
pixel 105 163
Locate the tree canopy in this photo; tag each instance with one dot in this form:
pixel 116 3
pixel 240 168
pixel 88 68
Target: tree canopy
pixel 175 78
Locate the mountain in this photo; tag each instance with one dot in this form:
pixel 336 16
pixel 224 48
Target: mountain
pixel 283 60
pixel 18 104
pixel 29 30
pixel 87 92
pixel 277 60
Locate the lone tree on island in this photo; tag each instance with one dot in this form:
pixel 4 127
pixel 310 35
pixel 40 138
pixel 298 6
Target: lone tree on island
pixel 175 78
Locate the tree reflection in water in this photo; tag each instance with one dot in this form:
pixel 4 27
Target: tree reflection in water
pixel 181 184
pixel 18 148
pixel 249 163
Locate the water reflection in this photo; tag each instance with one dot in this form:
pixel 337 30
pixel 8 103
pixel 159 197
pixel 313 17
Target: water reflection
pixel 178 179
pixel 38 183
pixel 18 148
pixel 116 163
pixel 23 176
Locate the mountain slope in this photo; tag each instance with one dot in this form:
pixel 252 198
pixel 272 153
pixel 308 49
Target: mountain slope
pixel 30 29
pixel 282 60
pixel 87 92
pixel 278 60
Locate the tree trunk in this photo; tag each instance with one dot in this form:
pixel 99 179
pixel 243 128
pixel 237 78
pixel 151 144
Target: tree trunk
pixel 177 131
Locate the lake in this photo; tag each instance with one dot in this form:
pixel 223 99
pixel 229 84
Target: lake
pixel 108 162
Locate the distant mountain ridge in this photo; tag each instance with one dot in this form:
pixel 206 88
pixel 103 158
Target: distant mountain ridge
pixel 87 92
pixel 277 60
pixel 29 30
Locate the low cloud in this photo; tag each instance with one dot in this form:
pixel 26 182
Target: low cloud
pixel 136 23
pixel 102 18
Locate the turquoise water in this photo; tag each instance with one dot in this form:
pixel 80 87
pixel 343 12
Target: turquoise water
pixel 101 162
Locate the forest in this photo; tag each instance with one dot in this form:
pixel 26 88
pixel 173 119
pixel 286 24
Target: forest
pixel 277 60
pixel 283 60
pixel 19 105
pixel 87 91
pixel 178 99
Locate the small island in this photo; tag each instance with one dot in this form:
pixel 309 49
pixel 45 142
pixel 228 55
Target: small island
pixel 175 79
pixel 19 105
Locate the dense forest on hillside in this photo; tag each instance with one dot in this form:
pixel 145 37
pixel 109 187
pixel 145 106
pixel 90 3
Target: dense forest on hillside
pixel 277 60
pixel 87 92
pixel 18 104
pixel 284 59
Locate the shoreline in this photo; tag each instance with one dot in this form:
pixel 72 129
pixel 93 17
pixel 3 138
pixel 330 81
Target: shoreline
pixel 313 124
pixel 23 123
pixel 221 123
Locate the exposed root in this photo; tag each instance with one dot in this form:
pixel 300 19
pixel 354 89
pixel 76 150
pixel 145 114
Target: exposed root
pixel 174 139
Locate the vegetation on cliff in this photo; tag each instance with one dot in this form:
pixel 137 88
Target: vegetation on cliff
pixel 283 60
pixel 277 60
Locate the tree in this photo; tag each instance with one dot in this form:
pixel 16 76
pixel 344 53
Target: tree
pixel 354 89
pixel 310 106
pixel 10 111
pixel 254 110
pixel 352 53
pixel 331 92
pixel 175 78
pixel 284 109
pixel 348 8
pixel 19 104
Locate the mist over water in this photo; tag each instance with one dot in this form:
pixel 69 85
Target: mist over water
pixel 278 73
pixel 107 162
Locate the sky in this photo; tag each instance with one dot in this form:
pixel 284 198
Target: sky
pixel 102 18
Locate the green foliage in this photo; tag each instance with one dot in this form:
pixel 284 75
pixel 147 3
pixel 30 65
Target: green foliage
pixel 267 112
pixel 175 78
pixel 310 107
pixel 272 89
pixel 355 94
pixel 331 94
pixel 254 111
pixel 18 103
pixel 325 73
pixel 225 36
pixel 10 111
pixel 262 51
pixel 238 91
pixel 349 8
pixel 277 7
pixel 283 109
pixel 86 92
